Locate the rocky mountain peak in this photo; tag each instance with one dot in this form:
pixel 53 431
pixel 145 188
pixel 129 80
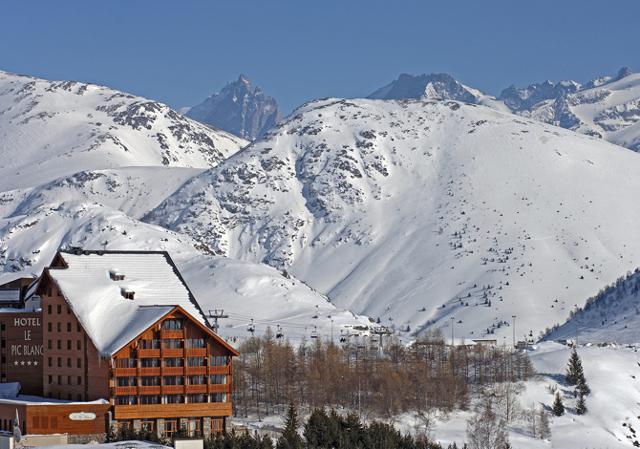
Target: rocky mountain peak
pixel 239 108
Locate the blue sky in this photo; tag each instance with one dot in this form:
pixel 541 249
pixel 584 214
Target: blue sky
pixel 180 51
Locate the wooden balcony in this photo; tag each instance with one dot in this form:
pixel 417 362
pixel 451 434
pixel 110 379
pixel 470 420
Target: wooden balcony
pixel 173 370
pixel 172 410
pixel 164 334
pixel 149 389
pixel 193 389
pixel 125 391
pixel 220 388
pixel 154 371
pixel 196 352
pixel 191 370
pixel 173 352
pixel 153 353
pixel 224 369
pixel 125 372
pixel 173 389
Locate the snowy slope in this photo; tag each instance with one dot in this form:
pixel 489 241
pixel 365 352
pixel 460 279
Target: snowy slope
pixel 423 211
pixel 613 315
pixel 50 129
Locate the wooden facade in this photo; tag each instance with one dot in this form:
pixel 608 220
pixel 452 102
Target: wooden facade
pixel 176 374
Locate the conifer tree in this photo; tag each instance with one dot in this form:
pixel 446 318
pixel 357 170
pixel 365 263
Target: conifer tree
pixel 581 406
pixel 290 438
pixel 558 406
pixel 545 427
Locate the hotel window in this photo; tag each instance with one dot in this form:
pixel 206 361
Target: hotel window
pixel 174 399
pixel 218 379
pixel 126 363
pixel 193 427
pixel 218 360
pixel 149 344
pixel 126 400
pixel 219 397
pixel 59 308
pixel 150 399
pixel 197 380
pixel 150 381
pixel 173 362
pixel 150 363
pixel 148 426
pixel 69 381
pixel 68 345
pixel 79 345
pixel 59 362
pixel 78 328
pixel 49 326
pixel 69 364
pixel 69 313
pixel 173 343
pixel 79 363
pixel 59 379
pixel 172 325
pixel 59 343
pixel 49 344
pixel 127 381
pixel 50 379
pixel 68 327
pixel 170 427
pixel 49 309
pixel 59 326
pixel 79 379
pixel 196 398
pixel 49 362
pixel 195 343
pixel 217 425
pixel 195 361
pixel 174 380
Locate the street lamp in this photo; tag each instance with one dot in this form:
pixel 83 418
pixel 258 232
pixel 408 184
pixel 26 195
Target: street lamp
pixel 514 330
pixel 452 340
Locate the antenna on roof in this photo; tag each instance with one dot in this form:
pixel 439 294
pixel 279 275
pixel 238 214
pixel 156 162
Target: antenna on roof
pixel 215 315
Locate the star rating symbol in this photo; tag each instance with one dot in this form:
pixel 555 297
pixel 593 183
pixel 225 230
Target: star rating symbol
pixel 22 363
pixel 16 363
pixel 35 363
pixel 29 362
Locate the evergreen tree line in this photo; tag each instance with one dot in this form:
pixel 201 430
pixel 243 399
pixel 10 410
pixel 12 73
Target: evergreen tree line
pixel 574 377
pixel 374 380
pixel 328 430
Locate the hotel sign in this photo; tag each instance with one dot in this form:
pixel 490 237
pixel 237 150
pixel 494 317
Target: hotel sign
pixel 30 345
pixel 82 416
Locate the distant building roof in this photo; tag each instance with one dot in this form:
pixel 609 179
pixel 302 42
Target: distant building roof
pixel 10 295
pixel 102 301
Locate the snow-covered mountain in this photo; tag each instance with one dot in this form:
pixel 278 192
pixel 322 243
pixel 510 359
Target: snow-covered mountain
pixel 613 315
pixel 607 107
pixel 83 163
pixel 239 108
pixel 50 129
pixel 424 213
pixel 428 86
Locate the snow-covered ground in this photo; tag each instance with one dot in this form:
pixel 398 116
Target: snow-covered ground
pixel 613 374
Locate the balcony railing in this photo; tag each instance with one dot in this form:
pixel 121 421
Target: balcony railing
pixel 124 372
pixel 192 389
pixel 153 371
pixel 128 390
pixel 173 389
pixel 196 370
pixel 173 370
pixel 149 353
pixel 196 352
pixel 142 389
pixel 173 352
pixel 225 369
pixel 164 334
pixel 220 388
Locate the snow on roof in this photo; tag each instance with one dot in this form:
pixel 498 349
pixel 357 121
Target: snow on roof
pixel 111 320
pixel 10 295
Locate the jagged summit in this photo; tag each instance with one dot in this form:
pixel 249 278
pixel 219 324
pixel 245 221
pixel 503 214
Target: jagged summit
pixel 239 108
pixel 435 85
